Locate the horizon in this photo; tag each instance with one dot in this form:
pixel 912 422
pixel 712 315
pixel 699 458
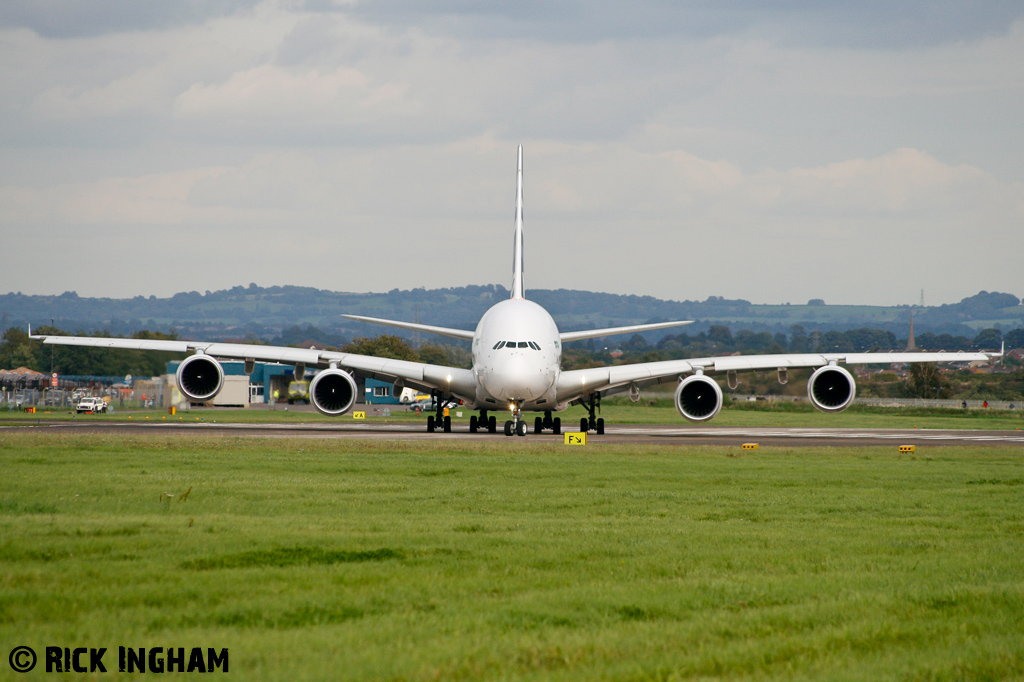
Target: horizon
pixel 707 299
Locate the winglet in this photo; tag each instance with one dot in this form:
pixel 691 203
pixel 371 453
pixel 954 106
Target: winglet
pixel 517 245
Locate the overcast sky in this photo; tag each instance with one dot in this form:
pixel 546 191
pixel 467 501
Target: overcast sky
pixel 771 150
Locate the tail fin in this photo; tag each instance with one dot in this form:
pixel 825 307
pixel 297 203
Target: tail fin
pixel 517 246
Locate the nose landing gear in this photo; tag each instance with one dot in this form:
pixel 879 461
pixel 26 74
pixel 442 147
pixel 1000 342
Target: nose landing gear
pixel 516 425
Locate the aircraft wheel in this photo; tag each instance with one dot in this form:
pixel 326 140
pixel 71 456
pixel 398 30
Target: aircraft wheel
pixel 521 428
pixel 430 423
pixel 508 428
pixel 472 423
pixel 556 425
pixel 584 425
pixel 538 425
pixel 600 425
pixel 492 425
pixel 447 424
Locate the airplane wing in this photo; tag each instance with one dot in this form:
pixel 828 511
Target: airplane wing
pixel 612 331
pixel 580 382
pixel 453 380
pixel 414 326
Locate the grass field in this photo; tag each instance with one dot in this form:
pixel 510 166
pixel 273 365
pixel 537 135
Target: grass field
pixel 328 560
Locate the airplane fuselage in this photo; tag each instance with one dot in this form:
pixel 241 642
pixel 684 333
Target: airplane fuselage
pixel 517 354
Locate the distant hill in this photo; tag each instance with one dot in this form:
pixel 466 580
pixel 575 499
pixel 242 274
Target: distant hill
pixel 268 312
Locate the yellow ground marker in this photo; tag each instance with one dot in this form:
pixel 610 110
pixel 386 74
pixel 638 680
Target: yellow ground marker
pixel 359 415
pixel 749 446
pixel 906 448
pixel 575 438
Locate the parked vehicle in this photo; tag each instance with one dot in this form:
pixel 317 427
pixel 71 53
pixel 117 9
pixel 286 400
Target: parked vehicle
pixel 425 405
pixel 298 391
pixel 91 404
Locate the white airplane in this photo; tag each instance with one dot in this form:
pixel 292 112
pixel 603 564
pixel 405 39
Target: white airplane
pixel 517 352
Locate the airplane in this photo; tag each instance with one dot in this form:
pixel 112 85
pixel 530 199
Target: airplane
pixel 517 352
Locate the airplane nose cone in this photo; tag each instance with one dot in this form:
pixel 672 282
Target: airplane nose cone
pixel 515 379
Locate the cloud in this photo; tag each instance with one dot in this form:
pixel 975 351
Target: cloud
pixel 80 18
pixel 862 24
pixel 674 148
pixel 268 91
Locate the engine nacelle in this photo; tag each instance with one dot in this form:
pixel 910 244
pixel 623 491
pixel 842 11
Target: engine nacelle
pixel 831 388
pixel 698 398
pixel 199 378
pixel 333 392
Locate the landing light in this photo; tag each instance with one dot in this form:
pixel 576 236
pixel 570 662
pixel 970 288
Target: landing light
pixel 449 377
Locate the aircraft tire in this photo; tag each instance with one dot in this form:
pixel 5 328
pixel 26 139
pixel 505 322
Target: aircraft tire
pixel 521 428
pixel 538 425
pixel 584 424
pixel 447 425
pixel 508 428
pixel 430 423
pixel 492 425
pixel 472 423
pixel 556 426
pixel 600 426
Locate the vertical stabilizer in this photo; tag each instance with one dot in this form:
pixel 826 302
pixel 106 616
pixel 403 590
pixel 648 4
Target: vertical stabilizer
pixel 517 247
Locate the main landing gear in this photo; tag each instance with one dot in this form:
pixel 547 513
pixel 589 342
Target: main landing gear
pixel 483 422
pixel 594 423
pixel 554 425
pixel 439 420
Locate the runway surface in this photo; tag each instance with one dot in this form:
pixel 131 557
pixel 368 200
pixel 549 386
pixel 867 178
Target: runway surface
pixel 623 434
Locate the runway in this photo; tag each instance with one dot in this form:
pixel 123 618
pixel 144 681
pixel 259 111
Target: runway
pixel 622 434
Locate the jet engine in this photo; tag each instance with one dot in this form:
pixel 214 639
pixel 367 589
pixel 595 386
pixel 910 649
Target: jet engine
pixel 831 388
pixel 200 377
pixel 333 392
pixel 698 398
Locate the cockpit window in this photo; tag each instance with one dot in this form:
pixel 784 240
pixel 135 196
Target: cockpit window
pixel 516 344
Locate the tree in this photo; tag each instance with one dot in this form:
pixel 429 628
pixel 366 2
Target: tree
pixel 798 339
pixel 433 355
pixel 636 343
pixel 720 335
pixel 1014 339
pixel 988 339
pixel 384 346
pixel 926 381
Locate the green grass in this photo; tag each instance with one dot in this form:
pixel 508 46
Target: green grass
pixel 517 560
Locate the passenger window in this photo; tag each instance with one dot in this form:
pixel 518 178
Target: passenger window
pixel 523 344
pixel 498 345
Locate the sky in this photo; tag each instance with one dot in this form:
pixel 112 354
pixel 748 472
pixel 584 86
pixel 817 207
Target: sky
pixel 769 150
